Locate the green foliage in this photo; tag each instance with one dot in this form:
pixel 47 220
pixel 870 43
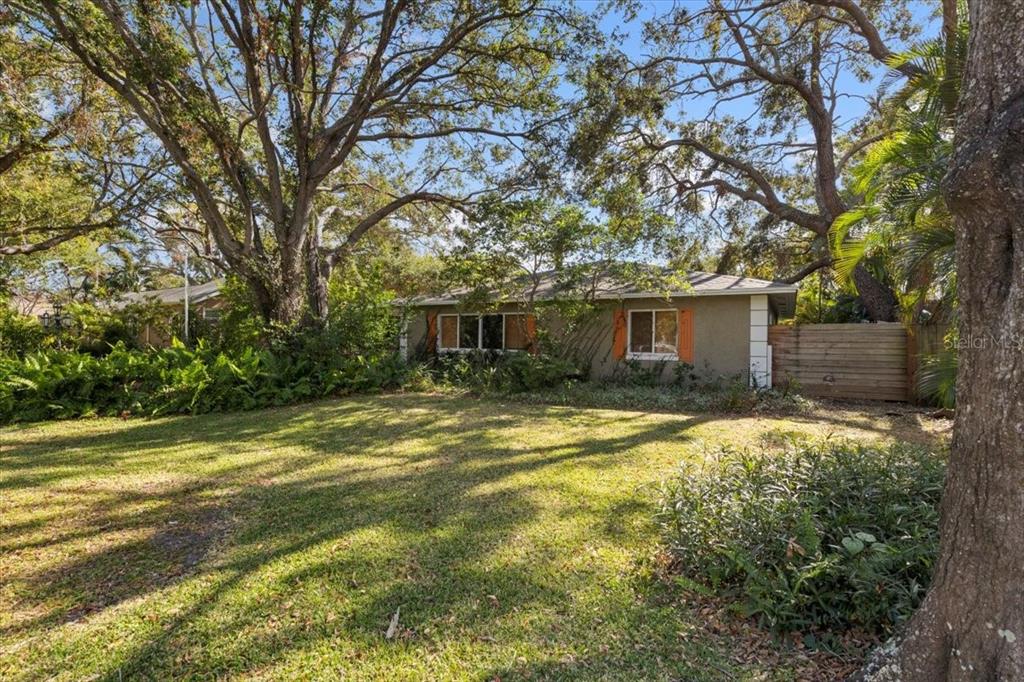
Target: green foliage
pixel 20 334
pixel 64 140
pixel 539 249
pixel 362 318
pixel 819 535
pixel 97 329
pixel 240 325
pixel 486 372
pixel 936 378
pixel 93 329
pixel 820 301
pixel 59 384
pixel 636 385
pixel 724 396
pixel 903 219
pixel 492 65
pixel 361 321
pixel 637 373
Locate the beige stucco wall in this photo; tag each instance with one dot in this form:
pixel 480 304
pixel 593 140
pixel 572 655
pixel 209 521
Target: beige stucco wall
pixel 150 336
pixel 721 333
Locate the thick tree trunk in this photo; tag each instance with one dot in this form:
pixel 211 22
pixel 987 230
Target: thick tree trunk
pixel 971 624
pixel 317 275
pixel 291 299
pixel 293 291
pixel 280 298
pixel 877 298
pixel 263 298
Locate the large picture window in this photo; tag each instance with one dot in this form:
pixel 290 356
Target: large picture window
pixel 497 331
pixel 653 334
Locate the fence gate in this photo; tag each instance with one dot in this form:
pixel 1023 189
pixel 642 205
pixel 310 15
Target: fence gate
pixel 858 361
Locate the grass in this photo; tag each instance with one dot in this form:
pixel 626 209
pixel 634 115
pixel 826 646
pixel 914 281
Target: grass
pixel 514 541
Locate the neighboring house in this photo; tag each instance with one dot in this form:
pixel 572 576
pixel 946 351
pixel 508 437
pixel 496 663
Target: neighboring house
pixel 718 322
pixel 33 305
pixel 204 300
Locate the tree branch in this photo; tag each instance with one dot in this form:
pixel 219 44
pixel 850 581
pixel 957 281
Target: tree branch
pixel 808 269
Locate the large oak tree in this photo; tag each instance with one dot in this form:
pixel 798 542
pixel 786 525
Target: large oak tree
pixel 735 117
pixel 264 106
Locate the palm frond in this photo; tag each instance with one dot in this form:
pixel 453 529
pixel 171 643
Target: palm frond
pixel 937 378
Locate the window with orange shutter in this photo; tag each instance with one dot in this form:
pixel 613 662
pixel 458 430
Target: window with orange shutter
pixel 653 334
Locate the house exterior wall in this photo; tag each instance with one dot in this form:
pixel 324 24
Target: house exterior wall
pixel 721 333
pixel 152 336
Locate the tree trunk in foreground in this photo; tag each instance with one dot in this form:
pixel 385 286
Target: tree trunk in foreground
pixel 971 624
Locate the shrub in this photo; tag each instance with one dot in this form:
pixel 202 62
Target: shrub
pixel 731 396
pixel 93 329
pixel 97 329
pixel 362 318
pixel 20 334
pixel 636 373
pixel 488 372
pixel 240 325
pixel 60 384
pixel 826 535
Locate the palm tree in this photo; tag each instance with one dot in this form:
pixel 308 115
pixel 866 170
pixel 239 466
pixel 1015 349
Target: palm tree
pixel 902 220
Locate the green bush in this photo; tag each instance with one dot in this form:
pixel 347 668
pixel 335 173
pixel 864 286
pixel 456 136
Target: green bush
pixel 60 384
pixel 20 334
pixel 825 535
pixel 733 396
pixel 96 330
pixel 488 372
pixel 240 325
pixel 93 329
pixel 362 318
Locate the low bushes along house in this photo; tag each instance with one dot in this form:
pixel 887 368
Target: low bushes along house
pixel 717 322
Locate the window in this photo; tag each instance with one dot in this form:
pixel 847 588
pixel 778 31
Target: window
pixel 653 334
pixel 469 331
pixel 491 332
pixel 516 337
pixel 497 331
pixel 449 331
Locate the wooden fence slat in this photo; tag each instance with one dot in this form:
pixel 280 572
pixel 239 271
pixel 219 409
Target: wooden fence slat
pixel 859 361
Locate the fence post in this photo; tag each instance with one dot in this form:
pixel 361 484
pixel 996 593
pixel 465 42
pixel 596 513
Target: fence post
pixel 912 360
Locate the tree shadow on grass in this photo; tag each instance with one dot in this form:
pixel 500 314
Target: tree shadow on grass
pixel 351 510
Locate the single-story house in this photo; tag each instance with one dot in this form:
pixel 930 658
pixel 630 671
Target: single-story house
pixel 205 302
pixel 713 322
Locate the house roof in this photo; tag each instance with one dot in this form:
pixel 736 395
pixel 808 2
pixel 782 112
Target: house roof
pixel 197 293
pixel 545 286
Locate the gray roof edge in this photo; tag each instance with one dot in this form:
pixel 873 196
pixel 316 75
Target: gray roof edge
pixel 740 291
pixel 197 293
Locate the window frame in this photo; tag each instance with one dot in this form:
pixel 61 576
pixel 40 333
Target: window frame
pixel 479 333
pixel 633 355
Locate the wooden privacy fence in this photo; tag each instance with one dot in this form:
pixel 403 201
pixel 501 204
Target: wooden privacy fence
pixel 859 361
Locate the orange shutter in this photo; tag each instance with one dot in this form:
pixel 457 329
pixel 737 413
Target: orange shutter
pixel 619 335
pixel 686 335
pixel 531 333
pixel 431 333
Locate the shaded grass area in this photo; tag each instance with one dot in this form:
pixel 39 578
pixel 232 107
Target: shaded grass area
pixel 512 539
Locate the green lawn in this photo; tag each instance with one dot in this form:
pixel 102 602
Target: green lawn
pixel 514 539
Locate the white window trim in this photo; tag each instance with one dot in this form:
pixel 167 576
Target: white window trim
pixel 629 334
pixel 479 333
